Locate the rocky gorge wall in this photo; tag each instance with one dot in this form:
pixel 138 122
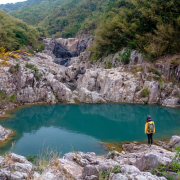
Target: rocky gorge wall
pixel 37 79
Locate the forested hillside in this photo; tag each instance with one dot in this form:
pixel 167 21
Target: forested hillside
pixel 63 18
pixel 15 34
pixel 15 6
pixel 32 11
pixel 76 15
pixel 152 27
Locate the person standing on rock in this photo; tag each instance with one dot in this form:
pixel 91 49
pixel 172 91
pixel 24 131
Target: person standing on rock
pixel 149 130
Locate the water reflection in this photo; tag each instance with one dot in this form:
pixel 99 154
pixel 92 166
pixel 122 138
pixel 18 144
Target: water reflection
pixel 84 126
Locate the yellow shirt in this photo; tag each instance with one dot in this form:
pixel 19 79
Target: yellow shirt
pixel 146 126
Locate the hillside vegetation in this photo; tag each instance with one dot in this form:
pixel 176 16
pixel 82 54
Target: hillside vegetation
pixel 63 18
pixel 35 12
pixel 152 27
pixel 15 34
pixel 76 16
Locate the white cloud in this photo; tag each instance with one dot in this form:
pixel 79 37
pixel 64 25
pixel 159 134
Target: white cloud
pixel 10 1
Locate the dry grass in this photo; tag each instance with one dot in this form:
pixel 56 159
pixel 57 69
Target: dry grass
pixel 113 146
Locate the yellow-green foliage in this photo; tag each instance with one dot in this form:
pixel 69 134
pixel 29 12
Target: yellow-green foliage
pixel 152 27
pixel 15 34
pixel 61 18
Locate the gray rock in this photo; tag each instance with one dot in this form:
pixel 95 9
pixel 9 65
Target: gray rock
pixel 93 177
pixel 18 176
pixel 4 174
pixel 48 176
pixel 17 158
pixel 1 161
pixel 4 133
pixel 128 169
pixel 118 177
pixel 21 167
pixel 150 161
pixel 175 141
pixel 89 171
pixel 87 96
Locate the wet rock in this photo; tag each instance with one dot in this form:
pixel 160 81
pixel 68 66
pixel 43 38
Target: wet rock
pixel 4 133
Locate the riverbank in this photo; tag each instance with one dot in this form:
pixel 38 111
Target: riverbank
pixel 84 166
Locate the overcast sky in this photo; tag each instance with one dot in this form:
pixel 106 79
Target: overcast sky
pixel 10 1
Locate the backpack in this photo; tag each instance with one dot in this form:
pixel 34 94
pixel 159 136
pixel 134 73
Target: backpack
pixel 150 128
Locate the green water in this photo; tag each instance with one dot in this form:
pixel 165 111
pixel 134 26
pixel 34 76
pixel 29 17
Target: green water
pixel 82 127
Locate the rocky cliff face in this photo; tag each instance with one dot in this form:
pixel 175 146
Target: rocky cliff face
pixel 38 79
pixel 65 49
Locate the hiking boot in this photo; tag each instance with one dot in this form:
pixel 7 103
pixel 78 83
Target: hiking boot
pixel 149 145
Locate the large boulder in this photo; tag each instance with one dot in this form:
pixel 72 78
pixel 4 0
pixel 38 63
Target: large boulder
pixel 151 160
pixel 175 141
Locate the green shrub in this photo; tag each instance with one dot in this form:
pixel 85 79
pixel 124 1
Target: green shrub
pixel 12 98
pixel 145 92
pixel 108 65
pixel 2 95
pixel 154 71
pixel 37 75
pixel 105 175
pixel 125 56
pixel 30 66
pixel 173 166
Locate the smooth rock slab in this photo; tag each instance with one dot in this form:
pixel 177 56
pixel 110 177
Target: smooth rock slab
pixel 71 168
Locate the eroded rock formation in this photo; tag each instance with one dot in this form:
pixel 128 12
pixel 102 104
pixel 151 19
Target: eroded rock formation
pixel 65 49
pixel 38 79
pixel 85 166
